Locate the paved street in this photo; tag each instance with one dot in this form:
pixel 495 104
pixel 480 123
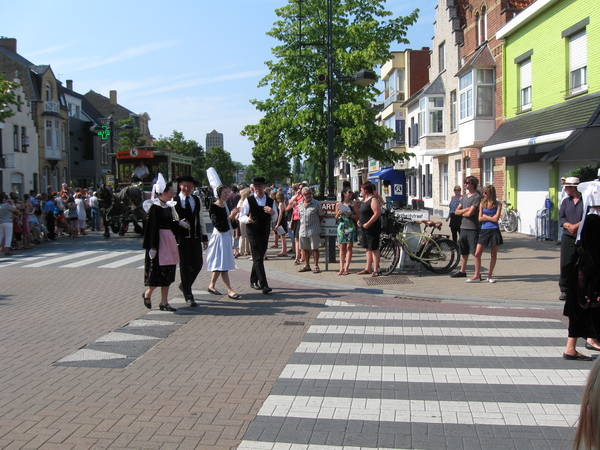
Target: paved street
pixel 417 361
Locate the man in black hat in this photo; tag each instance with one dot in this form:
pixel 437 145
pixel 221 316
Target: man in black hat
pixel 191 240
pixel 257 213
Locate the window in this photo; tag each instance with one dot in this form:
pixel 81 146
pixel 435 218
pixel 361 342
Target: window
pixel 458 178
pixel 24 140
pixel 428 181
pixel 422 108
pixel 19 105
pixel 444 182
pixel 485 92
pixel 488 171
pixel 436 114
pixel 55 178
pixel 65 176
pixel 49 134
pixel 483 26
pixel 442 56
pixel 525 84
pixel 453 121
pixel 48 92
pixel 467 168
pixel 431 115
pixel 578 63
pixel 477 29
pixel 104 159
pixel 466 95
pixel 16 137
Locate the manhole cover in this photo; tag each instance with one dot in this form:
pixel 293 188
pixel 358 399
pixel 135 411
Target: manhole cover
pixel 392 279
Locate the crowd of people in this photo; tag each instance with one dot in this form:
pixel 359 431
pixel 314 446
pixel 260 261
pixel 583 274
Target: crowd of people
pixel 33 218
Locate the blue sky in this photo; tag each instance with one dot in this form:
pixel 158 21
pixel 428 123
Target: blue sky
pixel 191 65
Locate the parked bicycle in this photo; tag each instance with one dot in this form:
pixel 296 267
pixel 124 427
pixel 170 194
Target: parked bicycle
pixel 509 220
pixel 436 252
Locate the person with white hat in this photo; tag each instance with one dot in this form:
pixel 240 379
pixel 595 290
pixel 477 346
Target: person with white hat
pixel 569 219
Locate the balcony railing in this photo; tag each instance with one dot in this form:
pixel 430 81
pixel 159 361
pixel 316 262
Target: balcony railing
pixel 50 106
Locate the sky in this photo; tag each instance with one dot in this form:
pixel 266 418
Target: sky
pixel 192 65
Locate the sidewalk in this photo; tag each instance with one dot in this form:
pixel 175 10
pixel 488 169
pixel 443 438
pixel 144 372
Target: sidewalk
pixel 526 270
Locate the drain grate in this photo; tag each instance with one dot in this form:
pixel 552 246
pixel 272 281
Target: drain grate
pixel 392 279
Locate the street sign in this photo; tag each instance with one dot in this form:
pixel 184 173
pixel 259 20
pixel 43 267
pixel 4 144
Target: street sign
pixel 328 225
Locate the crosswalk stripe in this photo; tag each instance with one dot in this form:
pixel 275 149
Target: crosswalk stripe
pixel 423 411
pixel 426 316
pixel 93 260
pixel 343 348
pixel 123 262
pixel 50 261
pixel 437 331
pixel 545 377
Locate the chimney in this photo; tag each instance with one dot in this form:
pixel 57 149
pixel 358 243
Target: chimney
pixel 113 97
pixel 9 44
pixel 70 85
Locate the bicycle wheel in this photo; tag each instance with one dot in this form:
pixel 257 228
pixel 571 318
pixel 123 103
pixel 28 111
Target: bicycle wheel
pixel 389 250
pixel 510 222
pixel 441 258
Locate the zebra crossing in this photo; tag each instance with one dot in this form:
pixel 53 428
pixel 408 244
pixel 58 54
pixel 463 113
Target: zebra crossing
pixel 99 259
pixel 368 378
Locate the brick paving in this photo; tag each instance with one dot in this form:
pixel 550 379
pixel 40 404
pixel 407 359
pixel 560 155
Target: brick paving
pixel 203 385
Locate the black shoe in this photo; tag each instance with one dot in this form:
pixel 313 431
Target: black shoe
pixel 563 297
pixel 459 275
pixel 266 289
pixel 147 301
pixel 167 307
pixel 591 347
pixel 577 357
pixel 255 286
pixel 191 302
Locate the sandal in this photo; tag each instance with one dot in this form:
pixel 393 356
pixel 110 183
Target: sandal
pixel 304 269
pixel 297 263
pixel 346 272
pixel 376 273
pixel 341 272
pixel 316 270
pixel 363 272
pixel 282 255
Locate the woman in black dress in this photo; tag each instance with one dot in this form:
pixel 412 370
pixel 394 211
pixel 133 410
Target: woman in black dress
pixel 369 222
pixel 162 254
pixel 582 309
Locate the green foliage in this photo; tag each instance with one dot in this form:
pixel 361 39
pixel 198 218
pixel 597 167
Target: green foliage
pixel 7 97
pixel 584 173
pixel 128 136
pixel 295 114
pixel 221 160
pixel 182 146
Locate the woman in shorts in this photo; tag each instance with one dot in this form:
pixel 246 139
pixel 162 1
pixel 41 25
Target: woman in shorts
pixel 489 214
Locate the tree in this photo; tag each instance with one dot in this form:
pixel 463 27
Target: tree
pixel 128 135
pixel 584 173
pixel 182 146
pixel 294 122
pixel 221 160
pixel 7 97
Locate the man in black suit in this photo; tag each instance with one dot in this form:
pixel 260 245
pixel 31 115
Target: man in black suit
pixel 192 240
pixel 257 213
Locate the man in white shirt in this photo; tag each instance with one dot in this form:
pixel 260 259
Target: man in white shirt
pixel 141 172
pixel 257 213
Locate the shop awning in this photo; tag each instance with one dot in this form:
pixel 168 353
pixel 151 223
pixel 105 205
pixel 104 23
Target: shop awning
pixel 543 131
pixel 384 174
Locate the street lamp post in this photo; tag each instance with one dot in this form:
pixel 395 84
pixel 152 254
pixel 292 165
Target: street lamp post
pixel 107 131
pixel 364 78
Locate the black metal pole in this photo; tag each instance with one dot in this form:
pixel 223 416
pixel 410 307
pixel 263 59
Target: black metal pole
pixel 330 129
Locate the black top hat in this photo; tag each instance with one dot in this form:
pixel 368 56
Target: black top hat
pixel 259 180
pixel 186 178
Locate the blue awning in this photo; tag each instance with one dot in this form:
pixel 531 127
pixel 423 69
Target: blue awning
pixel 396 179
pixel 380 175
